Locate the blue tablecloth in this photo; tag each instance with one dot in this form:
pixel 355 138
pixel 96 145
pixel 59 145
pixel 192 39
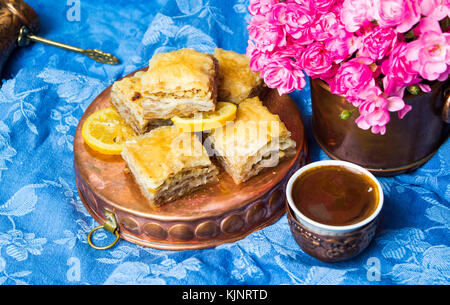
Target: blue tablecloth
pixel 44 226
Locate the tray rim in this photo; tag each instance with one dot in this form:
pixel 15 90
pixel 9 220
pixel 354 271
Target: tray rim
pixel 181 246
pixel 209 243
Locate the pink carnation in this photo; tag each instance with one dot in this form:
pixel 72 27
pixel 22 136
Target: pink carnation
pixel 378 43
pixel 435 9
pixel 316 61
pixel 356 46
pixel 295 19
pixel 356 13
pixel 375 120
pixel 427 24
pixel 265 34
pixel 353 76
pixel 325 27
pixel 257 7
pixel 306 5
pixel 403 14
pixel 323 6
pixel 342 44
pixel 430 55
pixel 398 70
pixel 375 108
pixel 258 59
pixel 285 74
pixel 374 115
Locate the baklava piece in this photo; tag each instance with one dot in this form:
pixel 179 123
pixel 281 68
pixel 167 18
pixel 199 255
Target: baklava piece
pixel 127 98
pixel 257 139
pixel 236 81
pixel 179 83
pixel 167 164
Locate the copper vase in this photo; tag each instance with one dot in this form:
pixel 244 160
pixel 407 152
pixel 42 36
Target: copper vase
pixel 13 15
pixel 407 144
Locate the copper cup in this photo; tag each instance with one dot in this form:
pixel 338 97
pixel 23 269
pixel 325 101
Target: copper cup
pixel 326 242
pixel 13 15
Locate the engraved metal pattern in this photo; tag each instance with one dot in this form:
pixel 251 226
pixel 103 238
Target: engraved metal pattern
pixel 330 248
pixel 101 57
pixel 190 235
pixel 207 229
pixel 13 15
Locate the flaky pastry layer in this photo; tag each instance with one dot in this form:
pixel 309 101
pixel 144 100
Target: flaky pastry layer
pixel 127 99
pixel 168 163
pixel 237 81
pixel 255 140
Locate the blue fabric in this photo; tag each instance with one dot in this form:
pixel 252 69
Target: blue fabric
pixel 44 226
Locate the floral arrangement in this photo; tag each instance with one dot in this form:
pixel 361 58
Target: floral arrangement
pixel 370 51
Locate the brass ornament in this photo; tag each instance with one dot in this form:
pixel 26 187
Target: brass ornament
pixel 25 37
pixel 109 225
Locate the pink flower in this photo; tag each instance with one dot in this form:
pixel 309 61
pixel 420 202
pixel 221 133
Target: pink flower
pixel 324 27
pixel 398 70
pixel 373 116
pixel 402 14
pixel 285 74
pixel 356 13
pixel 427 24
pixel 342 44
pixel 435 9
pixel 353 45
pixel 306 5
pixel 371 121
pixel 323 6
pixel 265 34
pixel 353 76
pixel 375 108
pixel 430 55
pixel 295 19
pixel 258 59
pixel 378 43
pixel 257 7
pixel 316 61
pixel 404 111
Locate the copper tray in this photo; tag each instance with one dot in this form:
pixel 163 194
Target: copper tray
pixel 224 212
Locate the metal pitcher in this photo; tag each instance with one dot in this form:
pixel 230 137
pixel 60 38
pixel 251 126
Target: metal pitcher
pixel 14 14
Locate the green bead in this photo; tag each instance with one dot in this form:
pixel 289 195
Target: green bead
pixel 345 114
pixel 414 89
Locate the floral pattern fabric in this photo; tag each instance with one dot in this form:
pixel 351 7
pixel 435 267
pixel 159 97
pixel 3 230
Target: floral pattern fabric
pixel 44 225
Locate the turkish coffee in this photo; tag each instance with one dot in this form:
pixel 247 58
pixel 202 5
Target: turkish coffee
pixel 335 195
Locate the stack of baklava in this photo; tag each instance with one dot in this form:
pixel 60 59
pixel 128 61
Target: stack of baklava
pixel 168 163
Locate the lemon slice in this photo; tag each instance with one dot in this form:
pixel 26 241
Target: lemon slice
pixel 224 113
pixel 106 132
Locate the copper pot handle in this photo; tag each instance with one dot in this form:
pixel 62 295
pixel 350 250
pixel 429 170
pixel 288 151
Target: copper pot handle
pixel 446 106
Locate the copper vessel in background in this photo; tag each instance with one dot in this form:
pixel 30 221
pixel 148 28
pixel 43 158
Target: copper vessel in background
pixel 13 15
pixel 407 144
